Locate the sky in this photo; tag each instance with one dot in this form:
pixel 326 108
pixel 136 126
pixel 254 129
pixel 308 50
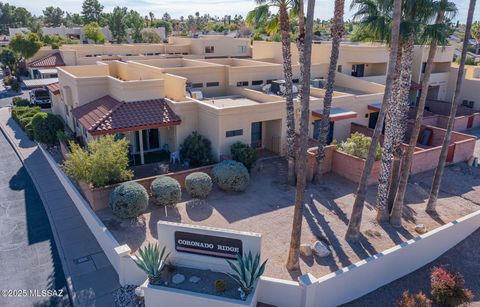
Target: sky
pixel 177 8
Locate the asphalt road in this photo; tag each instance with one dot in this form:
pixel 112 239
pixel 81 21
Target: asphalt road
pixel 28 255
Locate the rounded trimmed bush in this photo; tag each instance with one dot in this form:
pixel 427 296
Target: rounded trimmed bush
pixel 45 127
pixel 198 184
pixel 128 200
pixel 231 175
pixel 166 191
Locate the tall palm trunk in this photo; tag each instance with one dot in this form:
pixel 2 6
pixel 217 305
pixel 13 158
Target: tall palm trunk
pixel 306 42
pixel 353 231
pixel 437 179
pixel 396 214
pixel 387 149
pixel 396 128
pixel 287 71
pixel 337 33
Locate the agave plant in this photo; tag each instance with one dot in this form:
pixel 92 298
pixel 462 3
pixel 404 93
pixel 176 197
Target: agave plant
pixel 151 261
pixel 246 271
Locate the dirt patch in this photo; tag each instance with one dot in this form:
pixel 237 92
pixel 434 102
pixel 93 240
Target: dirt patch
pixel 267 208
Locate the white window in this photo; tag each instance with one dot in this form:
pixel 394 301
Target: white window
pixel 242 49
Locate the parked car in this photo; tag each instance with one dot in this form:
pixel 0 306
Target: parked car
pixel 40 97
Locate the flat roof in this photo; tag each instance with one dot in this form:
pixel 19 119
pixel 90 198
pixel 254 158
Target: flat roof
pixel 230 101
pixel 348 90
pixel 34 83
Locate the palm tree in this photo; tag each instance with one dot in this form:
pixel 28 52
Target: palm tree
pixel 415 14
pixel 436 34
pixel 337 33
pixel 305 43
pixel 432 200
pixel 283 7
pixel 353 231
pixel 476 35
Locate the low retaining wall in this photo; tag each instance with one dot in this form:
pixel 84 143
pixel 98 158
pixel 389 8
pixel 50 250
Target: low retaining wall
pixel 460 123
pixel 98 197
pixel 367 275
pixel 118 255
pixel 340 163
pixel 351 167
pixel 312 161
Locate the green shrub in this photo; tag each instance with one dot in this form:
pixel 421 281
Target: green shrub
pixel 198 184
pixel 357 145
pixel 128 200
pixel 231 175
pixel 20 102
pixel 19 112
pixel 8 80
pixel 166 191
pixel 45 127
pixel 244 153
pixel 197 149
pixel 29 130
pixel 103 162
pixel 15 86
pixel 24 121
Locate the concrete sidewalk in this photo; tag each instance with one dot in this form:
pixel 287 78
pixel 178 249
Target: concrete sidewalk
pixel 90 276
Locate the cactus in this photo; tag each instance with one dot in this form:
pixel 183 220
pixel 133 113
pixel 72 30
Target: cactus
pixel 151 260
pixel 246 271
pixel 219 285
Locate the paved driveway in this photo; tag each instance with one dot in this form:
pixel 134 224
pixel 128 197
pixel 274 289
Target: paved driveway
pixel 28 254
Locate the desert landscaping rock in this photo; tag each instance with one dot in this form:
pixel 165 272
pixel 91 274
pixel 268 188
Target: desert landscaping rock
pixel 421 228
pixel 320 249
pixel 194 279
pixel 178 279
pixel 126 296
pixel 306 250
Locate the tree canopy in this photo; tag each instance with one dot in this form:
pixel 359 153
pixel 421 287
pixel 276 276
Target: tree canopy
pixel 25 45
pixel 53 16
pixel 91 11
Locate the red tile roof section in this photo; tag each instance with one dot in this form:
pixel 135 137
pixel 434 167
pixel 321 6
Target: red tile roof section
pixel 50 60
pixel 54 88
pixel 108 115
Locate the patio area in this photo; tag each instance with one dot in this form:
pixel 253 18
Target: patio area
pixel 266 207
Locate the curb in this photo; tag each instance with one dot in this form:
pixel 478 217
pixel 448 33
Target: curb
pixel 66 271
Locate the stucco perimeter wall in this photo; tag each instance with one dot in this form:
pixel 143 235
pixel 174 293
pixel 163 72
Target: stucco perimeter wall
pixel 279 292
pixel 367 275
pixel 118 255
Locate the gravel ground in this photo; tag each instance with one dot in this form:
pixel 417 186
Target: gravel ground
pixel 463 258
pixel 266 208
pixel 125 297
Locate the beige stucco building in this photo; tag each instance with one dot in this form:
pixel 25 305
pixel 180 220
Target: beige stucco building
pixel 219 93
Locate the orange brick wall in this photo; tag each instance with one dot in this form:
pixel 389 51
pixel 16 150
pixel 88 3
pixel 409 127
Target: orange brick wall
pixel 312 162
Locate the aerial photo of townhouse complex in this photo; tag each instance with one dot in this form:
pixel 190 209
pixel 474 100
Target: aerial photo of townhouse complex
pixel 311 153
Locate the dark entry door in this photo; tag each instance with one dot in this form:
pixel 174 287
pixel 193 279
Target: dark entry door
pixel 317 126
pixel 470 121
pixel 372 120
pixel 256 135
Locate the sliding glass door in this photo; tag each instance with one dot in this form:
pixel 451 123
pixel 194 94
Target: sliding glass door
pixel 150 139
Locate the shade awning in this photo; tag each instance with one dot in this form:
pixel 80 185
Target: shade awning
pixel 336 113
pixel 108 115
pixel 36 83
pixel 375 107
pixel 47 71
